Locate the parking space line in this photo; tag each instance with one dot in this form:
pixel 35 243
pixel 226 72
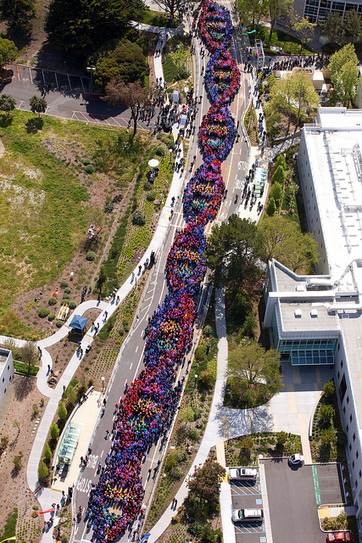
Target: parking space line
pixel 30 75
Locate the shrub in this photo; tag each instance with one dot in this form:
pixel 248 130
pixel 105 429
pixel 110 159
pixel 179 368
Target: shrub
pixel 63 283
pixel 326 412
pixel 271 207
pixel 329 388
pixel 65 296
pixel 54 431
pixel 47 452
pixel 90 256
pixel 89 169
pixel 67 290
pixel 187 414
pixel 208 331
pixel 138 218
pixel 52 301
pixel 176 472
pixel 59 324
pixel 51 317
pixel 193 434
pixel 147 185
pixel 183 72
pixel 62 411
pixel 42 471
pixel 72 305
pixel 43 312
pixel 87 161
pixel 206 380
pixel 160 150
pixel 65 301
pixel 276 192
pixel 151 196
pixel 279 175
pixel 281 439
pixel 280 161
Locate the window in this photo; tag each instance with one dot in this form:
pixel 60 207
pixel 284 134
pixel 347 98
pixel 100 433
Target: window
pixel 341 363
pixel 344 410
pixel 347 399
pixel 360 474
pixel 338 375
pixel 350 447
pixel 350 418
pixel 355 483
pixel 342 388
pixel 347 428
pixel 354 437
pixel 357 454
pixel 352 464
pixel 338 346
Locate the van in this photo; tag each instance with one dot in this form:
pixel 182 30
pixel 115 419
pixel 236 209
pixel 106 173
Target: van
pixel 244 516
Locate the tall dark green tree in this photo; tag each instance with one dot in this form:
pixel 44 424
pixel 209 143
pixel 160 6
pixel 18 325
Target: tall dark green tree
pixel 332 27
pixel 232 250
pixel 352 27
pixel 126 61
pixel 78 28
pixel 17 14
pixel 8 51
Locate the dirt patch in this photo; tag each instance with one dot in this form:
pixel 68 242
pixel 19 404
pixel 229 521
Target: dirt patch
pixel 17 407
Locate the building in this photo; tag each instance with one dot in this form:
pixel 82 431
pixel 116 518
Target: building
pixel 317 320
pixel 6 371
pixel 317 10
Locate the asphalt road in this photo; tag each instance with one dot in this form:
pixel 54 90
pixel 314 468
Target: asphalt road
pixel 130 363
pixel 247 494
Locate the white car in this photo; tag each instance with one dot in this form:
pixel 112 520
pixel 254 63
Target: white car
pixel 242 474
pixel 244 516
pixel 296 459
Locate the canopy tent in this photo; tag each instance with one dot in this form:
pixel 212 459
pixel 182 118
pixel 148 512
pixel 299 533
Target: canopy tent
pixel 78 322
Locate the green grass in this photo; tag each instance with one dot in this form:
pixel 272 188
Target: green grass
pixel 288 43
pixel 25 368
pixel 10 525
pixel 155 18
pixel 44 208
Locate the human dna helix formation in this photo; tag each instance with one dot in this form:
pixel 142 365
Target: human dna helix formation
pixel 144 414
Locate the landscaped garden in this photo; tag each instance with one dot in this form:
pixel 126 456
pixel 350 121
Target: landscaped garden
pixel 245 450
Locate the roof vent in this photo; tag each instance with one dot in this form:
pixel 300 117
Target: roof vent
pixel 314 313
pixel 300 287
pixel 298 313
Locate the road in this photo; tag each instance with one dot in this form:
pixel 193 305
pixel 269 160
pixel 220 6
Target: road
pixel 130 363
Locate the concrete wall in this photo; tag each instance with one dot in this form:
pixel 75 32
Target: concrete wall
pixel 7 372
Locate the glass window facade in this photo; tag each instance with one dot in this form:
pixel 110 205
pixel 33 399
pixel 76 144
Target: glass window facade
pixel 317 10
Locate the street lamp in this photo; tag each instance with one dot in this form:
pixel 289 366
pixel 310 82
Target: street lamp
pixel 91 70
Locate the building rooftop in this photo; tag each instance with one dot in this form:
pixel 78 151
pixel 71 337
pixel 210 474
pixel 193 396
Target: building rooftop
pixel 308 316
pixel 334 146
pixel 3 358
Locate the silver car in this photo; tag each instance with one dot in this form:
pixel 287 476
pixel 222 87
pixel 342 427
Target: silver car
pixel 242 474
pixel 244 516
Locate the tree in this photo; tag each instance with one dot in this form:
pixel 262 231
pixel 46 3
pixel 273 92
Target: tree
pixel 7 104
pixel 276 8
pixel 281 238
pixel 305 29
pixel 78 28
pixel 254 370
pixel 125 61
pixel 16 424
pixel 276 192
pixel 204 489
pixel 328 437
pixel 8 52
pixel 42 471
pixel 62 411
pixel 333 27
pixel 343 65
pixel 281 439
pixel 37 105
pixel 172 6
pixel 271 207
pixel 329 388
pixel 352 27
pixel 232 251
pixel 18 14
pixel 102 278
pixel 251 11
pixel 54 430
pixel 326 412
pixel 17 461
pixel 281 97
pixel 71 395
pixel 132 95
pixel 47 452
pixel 247 445
pixel 305 97
pixel 29 353
pixel 279 175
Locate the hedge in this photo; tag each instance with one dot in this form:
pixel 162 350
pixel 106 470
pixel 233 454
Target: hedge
pixel 20 367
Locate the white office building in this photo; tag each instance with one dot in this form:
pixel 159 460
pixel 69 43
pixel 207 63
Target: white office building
pixel 317 320
pixel 6 371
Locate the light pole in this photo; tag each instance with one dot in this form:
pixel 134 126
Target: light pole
pixel 91 70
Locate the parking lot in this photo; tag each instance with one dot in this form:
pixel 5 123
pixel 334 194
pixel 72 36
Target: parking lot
pixel 294 495
pixel 247 494
pixel 70 84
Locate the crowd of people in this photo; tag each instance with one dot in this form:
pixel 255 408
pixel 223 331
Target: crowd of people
pixel 144 413
pixel 203 193
pixel 222 77
pixel 186 263
pixel 217 133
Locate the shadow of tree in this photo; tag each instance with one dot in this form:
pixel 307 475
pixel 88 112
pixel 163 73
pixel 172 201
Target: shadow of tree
pixel 24 386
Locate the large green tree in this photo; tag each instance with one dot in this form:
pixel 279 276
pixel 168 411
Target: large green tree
pixel 282 239
pixel 7 104
pixel 126 61
pixel 343 65
pixel 253 371
pixel 78 28
pixel 17 14
pixel 352 27
pixel 232 250
pixel 332 27
pixel 306 30
pixel 8 51
pixel 173 6
pixel 276 8
pixel 251 11
pixel 204 489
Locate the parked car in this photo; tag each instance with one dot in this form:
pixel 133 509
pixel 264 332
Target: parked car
pixel 244 516
pixel 296 460
pixel 344 535
pixel 242 474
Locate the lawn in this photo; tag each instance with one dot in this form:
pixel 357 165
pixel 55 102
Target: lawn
pixel 288 43
pixel 46 200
